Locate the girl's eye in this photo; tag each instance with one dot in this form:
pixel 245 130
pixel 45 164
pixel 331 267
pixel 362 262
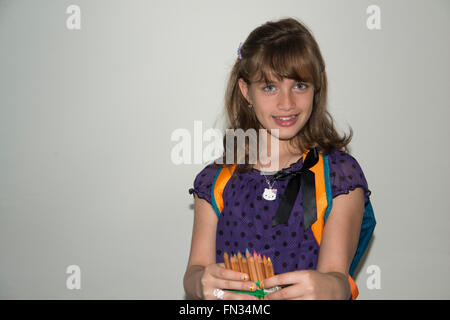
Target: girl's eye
pixel 302 87
pixel 269 86
pixel 302 84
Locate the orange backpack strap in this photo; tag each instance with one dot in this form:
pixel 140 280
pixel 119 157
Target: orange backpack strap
pixel 321 197
pixel 219 183
pixel 353 288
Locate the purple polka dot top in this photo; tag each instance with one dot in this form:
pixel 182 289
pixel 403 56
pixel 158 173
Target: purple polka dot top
pixel 246 219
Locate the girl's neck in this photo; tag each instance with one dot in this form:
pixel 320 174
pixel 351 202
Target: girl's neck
pixel 285 154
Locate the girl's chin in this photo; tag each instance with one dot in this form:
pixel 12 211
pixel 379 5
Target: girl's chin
pixel 284 133
pixel 283 137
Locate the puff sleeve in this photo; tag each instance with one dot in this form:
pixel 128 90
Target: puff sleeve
pixel 346 174
pixel 203 182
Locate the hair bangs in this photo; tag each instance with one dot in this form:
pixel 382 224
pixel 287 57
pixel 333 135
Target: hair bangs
pixel 285 59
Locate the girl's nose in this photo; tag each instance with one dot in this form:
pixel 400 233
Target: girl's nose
pixel 286 102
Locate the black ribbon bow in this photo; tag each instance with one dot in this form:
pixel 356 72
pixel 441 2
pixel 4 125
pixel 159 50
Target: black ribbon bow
pixel 306 179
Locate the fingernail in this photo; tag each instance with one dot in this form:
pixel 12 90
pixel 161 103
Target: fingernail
pixel 261 285
pixel 265 298
pixel 245 277
pixel 252 287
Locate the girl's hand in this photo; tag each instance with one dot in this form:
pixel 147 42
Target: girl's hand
pixel 215 278
pixel 308 284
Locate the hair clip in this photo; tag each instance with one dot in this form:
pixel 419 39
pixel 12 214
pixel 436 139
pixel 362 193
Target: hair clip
pixel 239 51
pixel 240 44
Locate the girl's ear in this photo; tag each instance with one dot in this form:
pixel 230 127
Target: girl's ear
pixel 244 89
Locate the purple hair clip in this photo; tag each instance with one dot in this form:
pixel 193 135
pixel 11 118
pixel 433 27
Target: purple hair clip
pixel 240 44
pixel 239 51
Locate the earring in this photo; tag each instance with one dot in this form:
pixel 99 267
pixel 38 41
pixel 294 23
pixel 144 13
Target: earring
pixel 250 106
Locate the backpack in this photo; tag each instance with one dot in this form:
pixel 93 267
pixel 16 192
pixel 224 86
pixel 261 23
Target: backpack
pixel 323 204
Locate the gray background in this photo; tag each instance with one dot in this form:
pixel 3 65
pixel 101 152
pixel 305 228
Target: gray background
pixel 86 117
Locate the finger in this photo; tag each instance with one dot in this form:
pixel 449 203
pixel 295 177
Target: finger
pixel 235 285
pixel 282 279
pixel 295 291
pixel 238 296
pixel 222 273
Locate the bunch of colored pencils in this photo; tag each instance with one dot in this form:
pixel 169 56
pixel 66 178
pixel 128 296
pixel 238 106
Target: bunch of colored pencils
pixel 258 268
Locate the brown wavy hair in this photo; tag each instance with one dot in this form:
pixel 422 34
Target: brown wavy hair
pixel 283 49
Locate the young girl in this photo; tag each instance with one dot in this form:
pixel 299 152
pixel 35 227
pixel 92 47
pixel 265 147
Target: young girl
pixel 278 82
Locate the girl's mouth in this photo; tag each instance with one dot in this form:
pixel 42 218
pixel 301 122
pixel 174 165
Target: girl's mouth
pixel 286 121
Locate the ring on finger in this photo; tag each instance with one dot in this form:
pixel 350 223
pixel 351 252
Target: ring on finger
pixel 218 293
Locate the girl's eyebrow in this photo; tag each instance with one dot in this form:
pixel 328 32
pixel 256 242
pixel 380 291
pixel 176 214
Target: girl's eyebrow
pixel 268 81
pixel 276 81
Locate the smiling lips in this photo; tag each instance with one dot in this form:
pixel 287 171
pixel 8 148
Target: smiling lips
pixel 286 121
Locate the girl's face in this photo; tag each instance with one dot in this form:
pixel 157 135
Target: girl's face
pixel 284 105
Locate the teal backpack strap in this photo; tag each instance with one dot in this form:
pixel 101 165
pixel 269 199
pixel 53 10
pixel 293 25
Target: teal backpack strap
pixel 213 198
pixel 367 227
pixel 326 168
